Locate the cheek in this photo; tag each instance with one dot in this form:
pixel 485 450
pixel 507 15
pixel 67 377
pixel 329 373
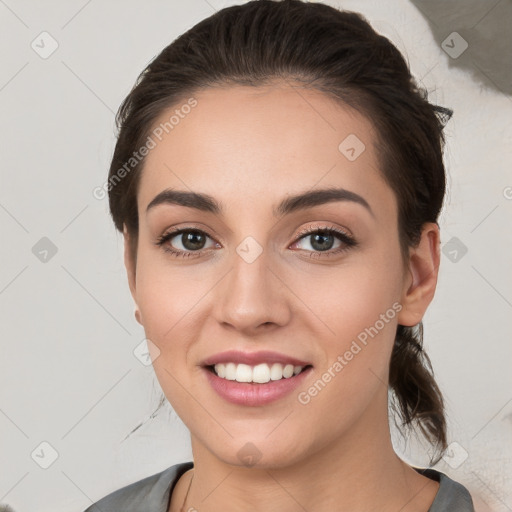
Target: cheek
pixel 166 294
pixel 352 298
pixel 166 311
pixel 358 307
pixel 166 301
pixel 354 373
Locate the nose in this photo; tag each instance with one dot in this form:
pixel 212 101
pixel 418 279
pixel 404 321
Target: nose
pixel 253 296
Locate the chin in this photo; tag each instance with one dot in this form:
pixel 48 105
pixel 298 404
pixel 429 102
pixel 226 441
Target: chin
pixel 259 452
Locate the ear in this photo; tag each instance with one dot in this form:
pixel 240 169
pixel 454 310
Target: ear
pixel 130 264
pixel 421 281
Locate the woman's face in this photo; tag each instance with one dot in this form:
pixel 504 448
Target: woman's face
pixel 248 277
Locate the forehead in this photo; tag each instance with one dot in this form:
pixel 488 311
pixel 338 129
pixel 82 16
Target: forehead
pixel 245 144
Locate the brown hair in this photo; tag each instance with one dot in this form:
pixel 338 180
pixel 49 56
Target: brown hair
pixel 339 54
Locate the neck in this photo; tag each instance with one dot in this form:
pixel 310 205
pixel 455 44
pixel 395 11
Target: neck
pixel 360 471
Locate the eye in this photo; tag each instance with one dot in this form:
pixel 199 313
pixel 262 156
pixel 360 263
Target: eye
pixel 322 239
pixel 191 240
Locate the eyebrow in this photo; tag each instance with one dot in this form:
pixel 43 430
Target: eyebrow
pixel 302 201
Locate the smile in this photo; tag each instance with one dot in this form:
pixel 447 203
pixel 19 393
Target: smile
pixel 250 392
pixel 261 373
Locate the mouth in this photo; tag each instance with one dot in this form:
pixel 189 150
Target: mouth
pixel 212 369
pixel 240 386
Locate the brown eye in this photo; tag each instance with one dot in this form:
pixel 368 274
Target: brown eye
pixel 192 240
pixel 183 242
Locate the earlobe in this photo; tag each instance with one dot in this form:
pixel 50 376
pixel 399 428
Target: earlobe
pixel 420 285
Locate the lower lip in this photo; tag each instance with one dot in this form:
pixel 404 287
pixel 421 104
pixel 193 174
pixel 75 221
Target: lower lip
pixel 253 394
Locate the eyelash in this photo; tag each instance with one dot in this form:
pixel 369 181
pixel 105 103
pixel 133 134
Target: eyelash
pixel 349 241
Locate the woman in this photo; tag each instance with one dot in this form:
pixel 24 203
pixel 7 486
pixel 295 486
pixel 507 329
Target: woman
pixel 278 178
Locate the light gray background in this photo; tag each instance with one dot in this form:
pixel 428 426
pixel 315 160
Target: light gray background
pixel 68 373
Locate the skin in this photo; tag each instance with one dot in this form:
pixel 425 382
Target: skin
pixel 249 148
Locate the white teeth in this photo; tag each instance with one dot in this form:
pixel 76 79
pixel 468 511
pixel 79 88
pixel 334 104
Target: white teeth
pixel 260 373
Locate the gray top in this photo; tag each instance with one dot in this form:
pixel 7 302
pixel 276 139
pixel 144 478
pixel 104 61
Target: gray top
pixel 153 493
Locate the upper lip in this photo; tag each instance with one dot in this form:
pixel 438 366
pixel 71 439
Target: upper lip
pixel 252 358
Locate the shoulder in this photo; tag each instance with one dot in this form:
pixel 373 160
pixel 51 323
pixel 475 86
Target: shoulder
pixel 451 494
pixel 150 494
